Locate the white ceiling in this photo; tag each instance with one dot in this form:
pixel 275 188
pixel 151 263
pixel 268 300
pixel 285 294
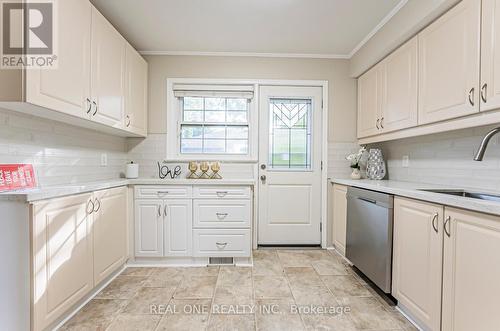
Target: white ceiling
pixel 316 28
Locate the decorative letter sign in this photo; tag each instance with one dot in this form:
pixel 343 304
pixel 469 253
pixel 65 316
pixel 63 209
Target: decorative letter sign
pixel 16 177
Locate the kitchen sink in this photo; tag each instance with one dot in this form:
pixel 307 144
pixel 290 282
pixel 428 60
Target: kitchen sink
pixel 466 194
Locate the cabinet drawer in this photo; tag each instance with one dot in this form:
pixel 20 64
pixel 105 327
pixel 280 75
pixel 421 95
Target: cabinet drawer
pixel 221 243
pixel 222 213
pixel 222 192
pixel 162 192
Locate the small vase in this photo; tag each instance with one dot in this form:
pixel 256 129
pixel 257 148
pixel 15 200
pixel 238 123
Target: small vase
pixel 356 173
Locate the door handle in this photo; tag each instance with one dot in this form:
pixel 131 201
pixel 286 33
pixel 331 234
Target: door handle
pixel 447 222
pixel 221 245
pixel 434 224
pixel 165 210
pixel 221 215
pixel 471 96
pixel 382 123
pixel 263 178
pixel 159 210
pixel 128 121
pixel 484 92
pixel 89 103
pixel 221 194
pixel 91 209
pixel 377 124
pixel 95 105
pixel 97 204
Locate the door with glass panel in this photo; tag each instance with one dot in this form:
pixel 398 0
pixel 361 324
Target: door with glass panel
pixel 290 165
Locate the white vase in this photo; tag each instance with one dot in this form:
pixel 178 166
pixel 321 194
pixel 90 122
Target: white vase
pixel 356 173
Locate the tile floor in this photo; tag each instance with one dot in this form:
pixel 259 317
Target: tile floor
pixel 285 290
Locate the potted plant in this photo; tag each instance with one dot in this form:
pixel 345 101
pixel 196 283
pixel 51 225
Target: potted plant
pixel 354 158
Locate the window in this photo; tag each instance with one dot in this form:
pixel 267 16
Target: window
pixel 214 125
pixel 208 121
pixel 290 134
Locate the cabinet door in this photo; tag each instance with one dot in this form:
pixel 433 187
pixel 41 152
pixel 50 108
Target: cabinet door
pixel 109 232
pixel 490 55
pixel 136 105
pixel 471 271
pixel 62 256
pixel 66 88
pixel 399 88
pixel 417 259
pixel 149 228
pixel 178 227
pixel 339 217
pixel 369 103
pixel 108 72
pixel 449 64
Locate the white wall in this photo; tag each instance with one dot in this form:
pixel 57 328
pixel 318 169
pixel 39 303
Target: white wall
pixel 445 158
pixel 61 153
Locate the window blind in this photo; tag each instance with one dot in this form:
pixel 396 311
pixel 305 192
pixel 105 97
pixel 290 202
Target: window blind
pixel 221 91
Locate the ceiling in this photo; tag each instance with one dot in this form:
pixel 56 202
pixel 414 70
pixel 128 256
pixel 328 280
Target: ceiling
pixel 309 28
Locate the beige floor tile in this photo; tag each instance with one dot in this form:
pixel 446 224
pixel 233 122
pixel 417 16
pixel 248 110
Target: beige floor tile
pixel 277 315
pixel 327 322
pixel 265 254
pixel 293 258
pixel 317 255
pixel 271 287
pixel 200 272
pixel 368 314
pixel 122 287
pixel 330 268
pixel 313 295
pixel 229 276
pixel 231 323
pixel 164 280
pixel 148 299
pixel 236 296
pixel 265 267
pixel 196 287
pixel 138 271
pixel 302 276
pixel 95 315
pixel 183 322
pixel 127 322
pixel 345 286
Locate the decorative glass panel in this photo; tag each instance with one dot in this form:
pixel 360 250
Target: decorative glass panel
pixel 213 125
pixel 290 133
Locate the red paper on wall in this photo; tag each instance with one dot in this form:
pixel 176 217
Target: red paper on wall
pixel 16 177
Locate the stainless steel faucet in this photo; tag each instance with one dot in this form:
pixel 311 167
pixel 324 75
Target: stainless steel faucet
pixel 482 148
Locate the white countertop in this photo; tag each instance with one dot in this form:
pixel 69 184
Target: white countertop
pixel 50 192
pixel 413 190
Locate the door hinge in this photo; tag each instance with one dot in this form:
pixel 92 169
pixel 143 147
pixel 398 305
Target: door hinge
pixel 320 227
pixel 321 165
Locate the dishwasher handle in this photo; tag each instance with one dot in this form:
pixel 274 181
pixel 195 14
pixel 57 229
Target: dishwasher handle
pixel 368 200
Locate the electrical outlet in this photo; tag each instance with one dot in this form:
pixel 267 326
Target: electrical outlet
pixel 406 161
pixel 104 160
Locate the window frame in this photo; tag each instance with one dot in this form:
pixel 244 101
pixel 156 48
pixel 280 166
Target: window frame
pixel 175 120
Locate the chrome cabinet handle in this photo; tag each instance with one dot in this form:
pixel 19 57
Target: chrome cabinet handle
pixel 382 123
pixel 89 103
pixel 221 215
pixel 434 224
pixel 162 192
pixel 128 121
pixel 221 245
pixel 91 209
pixel 377 124
pixel 447 221
pixel 221 193
pixel 484 92
pixel 97 205
pixel 165 210
pixel 95 105
pixel 159 210
pixel 471 96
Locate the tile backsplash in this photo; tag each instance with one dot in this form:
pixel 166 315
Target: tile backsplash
pixel 61 153
pixel 445 158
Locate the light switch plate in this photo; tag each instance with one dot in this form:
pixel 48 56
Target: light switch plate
pixel 406 161
pixel 104 160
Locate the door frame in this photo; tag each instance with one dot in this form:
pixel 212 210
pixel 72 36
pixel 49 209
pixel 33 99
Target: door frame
pixel 324 84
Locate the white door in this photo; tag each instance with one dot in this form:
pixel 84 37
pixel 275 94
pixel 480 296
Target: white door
pixel 290 165
pixel 149 228
pixel 177 227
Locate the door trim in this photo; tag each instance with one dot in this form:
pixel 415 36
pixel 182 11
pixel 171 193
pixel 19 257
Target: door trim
pixel 324 84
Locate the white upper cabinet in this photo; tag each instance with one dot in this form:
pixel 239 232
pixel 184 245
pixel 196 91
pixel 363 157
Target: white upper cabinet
pixel 417 259
pixel 369 103
pixel 108 73
pixel 490 55
pixel 136 105
pixel 449 64
pixel 399 88
pixel 67 88
pixel 471 271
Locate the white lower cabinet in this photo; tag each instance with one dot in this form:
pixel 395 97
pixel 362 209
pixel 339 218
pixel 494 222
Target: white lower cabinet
pixel 339 217
pixel 186 221
pixel 446 269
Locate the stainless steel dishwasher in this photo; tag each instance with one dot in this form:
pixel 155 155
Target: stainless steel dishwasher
pixel 369 234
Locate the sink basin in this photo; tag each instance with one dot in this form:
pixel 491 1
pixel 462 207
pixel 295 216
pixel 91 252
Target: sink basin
pixel 466 194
